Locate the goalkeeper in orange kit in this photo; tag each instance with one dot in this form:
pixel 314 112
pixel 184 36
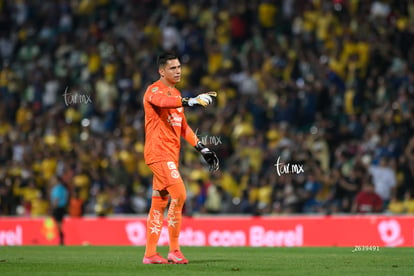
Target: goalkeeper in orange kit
pixel 165 124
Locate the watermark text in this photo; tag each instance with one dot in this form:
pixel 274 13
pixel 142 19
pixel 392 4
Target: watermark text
pixel 208 139
pixel 288 168
pixel 76 97
pixel 364 248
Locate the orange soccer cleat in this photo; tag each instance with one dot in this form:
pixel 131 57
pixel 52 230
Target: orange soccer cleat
pixel 176 257
pixel 155 259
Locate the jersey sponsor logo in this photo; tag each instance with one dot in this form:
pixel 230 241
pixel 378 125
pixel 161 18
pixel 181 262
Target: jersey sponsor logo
pixel 175 174
pixel 156 222
pixel 174 119
pixel 172 221
pixel 173 168
pixel 171 165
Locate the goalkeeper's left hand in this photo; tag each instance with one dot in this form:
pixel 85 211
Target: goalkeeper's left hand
pixel 209 155
pixel 203 99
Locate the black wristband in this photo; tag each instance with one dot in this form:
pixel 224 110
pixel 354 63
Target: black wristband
pixel 184 101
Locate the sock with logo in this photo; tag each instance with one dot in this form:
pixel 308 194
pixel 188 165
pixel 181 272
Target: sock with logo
pixel 154 224
pixel 174 216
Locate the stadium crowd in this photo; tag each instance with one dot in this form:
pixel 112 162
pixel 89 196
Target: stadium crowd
pixel 315 110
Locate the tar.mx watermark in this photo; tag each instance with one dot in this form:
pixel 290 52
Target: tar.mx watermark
pixel 208 139
pixel 76 97
pixel 288 168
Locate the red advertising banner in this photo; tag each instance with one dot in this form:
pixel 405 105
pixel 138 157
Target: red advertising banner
pixel 373 230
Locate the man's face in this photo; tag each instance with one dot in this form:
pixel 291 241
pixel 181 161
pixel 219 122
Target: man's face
pixel 171 71
pixel 369 188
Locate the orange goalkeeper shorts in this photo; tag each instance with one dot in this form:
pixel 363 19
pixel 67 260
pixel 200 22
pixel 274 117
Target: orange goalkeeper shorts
pixel 165 175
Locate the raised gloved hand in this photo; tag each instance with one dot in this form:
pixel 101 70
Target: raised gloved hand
pixel 203 99
pixel 208 155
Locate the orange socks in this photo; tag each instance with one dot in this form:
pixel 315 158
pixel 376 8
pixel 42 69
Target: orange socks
pixel 154 224
pixel 156 216
pixel 178 196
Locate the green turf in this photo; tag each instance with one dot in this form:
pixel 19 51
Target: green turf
pixel 95 260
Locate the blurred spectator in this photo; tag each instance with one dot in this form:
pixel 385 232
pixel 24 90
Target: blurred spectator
pixel 76 205
pixel 309 194
pixel 337 198
pixel 409 202
pixel 406 205
pixel 384 180
pixel 40 205
pixel 214 202
pixel 103 206
pixel 367 201
pixel 29 192
pixel 123 202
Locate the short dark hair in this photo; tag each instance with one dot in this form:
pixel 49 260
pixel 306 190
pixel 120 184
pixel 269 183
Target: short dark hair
pixel 164 58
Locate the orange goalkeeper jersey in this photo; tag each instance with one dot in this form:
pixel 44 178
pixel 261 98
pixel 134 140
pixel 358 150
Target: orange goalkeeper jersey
pixel 165 124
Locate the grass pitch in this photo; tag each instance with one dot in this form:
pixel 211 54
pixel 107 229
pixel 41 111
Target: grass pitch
pixel 116 260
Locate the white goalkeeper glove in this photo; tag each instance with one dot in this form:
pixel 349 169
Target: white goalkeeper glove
pixel 203 99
